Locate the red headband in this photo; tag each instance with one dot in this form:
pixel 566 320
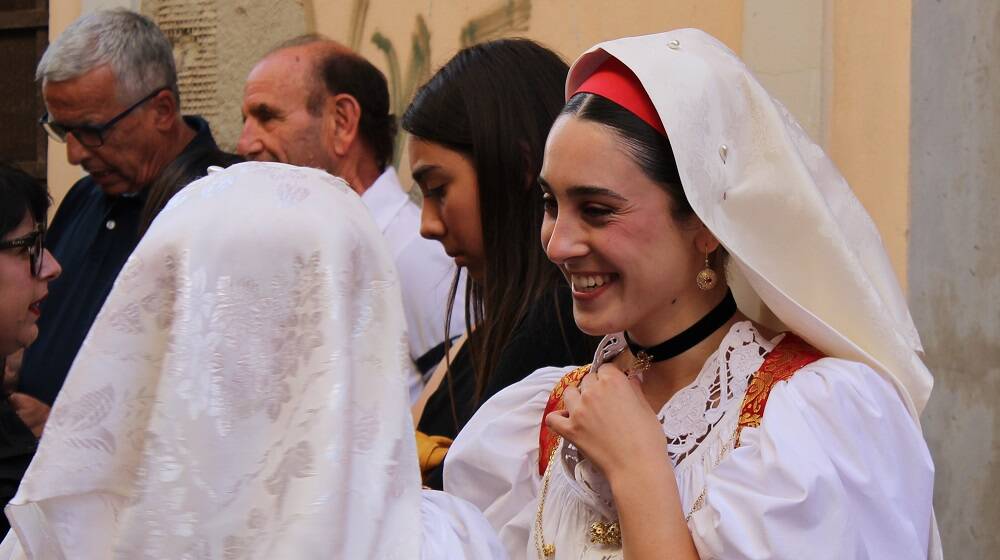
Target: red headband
pixel 615 82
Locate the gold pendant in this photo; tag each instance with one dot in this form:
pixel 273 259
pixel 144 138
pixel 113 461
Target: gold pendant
pixel 549 550
pixel 606 533
pixel 640 365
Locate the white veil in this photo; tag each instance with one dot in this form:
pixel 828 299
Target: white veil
pixel 776 202
pixel 242 392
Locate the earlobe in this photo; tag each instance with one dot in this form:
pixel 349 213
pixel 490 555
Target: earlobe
pixel 164 108
pixel 345 111
pixel 705 241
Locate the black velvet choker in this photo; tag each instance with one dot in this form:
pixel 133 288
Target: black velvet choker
pixel 692 335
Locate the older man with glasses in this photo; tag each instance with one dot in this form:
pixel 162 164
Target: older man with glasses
pixel 110 87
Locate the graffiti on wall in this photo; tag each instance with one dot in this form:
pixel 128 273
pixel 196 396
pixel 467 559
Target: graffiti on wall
pixel 191 26
pixel 510 16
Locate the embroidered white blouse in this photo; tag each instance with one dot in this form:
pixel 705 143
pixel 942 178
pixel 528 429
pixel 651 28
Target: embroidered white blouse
pixel 837 469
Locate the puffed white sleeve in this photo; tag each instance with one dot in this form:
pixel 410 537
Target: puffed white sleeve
pixel 454 528
pixel 10 548
pixel 837 469
pixel 493 462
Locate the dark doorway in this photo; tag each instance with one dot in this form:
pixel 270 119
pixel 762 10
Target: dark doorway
pixel 24 34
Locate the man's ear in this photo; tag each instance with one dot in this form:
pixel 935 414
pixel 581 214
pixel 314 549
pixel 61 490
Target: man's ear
pixel 344 118
pixel 164 108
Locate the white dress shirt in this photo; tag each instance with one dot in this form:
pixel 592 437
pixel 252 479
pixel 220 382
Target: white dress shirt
pixel 425 270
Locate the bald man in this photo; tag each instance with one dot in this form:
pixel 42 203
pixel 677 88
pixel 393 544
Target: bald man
pixel 313 102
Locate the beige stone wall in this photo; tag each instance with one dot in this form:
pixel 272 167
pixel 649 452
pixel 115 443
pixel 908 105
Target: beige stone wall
pixel 61 175
pixel 823 59
pixel 216 43
pixel 869 130
pixel 408 41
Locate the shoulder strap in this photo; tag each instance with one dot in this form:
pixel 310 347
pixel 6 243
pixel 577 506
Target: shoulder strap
pixel 547 440
pixel 434 381
pixel 787 357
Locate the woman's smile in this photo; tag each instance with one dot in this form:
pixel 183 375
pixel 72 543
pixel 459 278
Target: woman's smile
pixel 588 286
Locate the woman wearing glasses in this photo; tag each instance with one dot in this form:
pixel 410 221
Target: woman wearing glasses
pixel 26 269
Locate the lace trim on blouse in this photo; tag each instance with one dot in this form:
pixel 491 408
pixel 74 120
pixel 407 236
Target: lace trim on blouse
pixel 697 421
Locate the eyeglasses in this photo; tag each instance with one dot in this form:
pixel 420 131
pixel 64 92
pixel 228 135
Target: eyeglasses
pixel 91 136
pixel 35 242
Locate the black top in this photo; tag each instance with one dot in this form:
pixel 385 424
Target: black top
pixel 17 447
pixel 91 236
pixel 537 342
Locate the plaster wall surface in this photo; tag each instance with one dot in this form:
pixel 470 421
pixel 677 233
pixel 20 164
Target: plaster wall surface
pixel 409 41
pixel 783 42
pixel 242 31
pixel 869 115
pixel 836 64
pixel 91 5
pixel 61 175
pixel 954 258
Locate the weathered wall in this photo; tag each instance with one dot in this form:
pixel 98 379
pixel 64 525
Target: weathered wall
pixel 955 259
pixel 91 5
pixel 61 175
pixel 869 118
pixel 800 51
pixel 408 41
pixel 216 43
pixel 784 43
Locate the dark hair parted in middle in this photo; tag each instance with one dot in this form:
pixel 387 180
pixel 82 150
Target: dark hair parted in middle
pixel 647 147
pixel 494 103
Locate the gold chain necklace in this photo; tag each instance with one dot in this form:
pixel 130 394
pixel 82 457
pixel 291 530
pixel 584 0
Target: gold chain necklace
pixel 545 550
pixel 607 533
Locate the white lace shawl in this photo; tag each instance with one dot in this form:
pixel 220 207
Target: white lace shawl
pixel 241 394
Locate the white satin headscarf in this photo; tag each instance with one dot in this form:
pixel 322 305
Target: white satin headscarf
pixel 242 392
pixel 776 202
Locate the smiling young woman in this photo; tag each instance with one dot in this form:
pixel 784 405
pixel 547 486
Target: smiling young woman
pixel 668 161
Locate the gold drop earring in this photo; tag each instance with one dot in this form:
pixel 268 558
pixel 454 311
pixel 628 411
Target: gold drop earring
pixel 707 278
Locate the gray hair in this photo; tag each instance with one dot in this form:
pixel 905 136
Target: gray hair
pixel 139 55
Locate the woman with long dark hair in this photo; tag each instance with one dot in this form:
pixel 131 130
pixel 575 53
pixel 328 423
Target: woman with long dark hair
pixel 699 431
pixel 478 128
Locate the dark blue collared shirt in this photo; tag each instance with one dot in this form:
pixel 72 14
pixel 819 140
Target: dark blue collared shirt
pixel 92 235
